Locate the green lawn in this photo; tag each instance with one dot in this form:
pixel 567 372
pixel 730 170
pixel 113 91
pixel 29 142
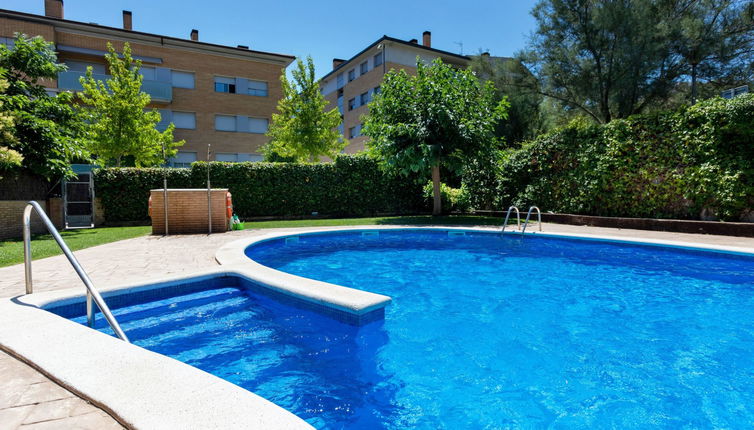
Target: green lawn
pixel 392 220
pixel 12 251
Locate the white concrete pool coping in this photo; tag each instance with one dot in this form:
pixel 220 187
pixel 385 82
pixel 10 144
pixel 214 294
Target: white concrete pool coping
pixel 146 390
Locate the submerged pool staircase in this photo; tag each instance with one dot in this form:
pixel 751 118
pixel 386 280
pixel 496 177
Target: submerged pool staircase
pixel 92 295
pixel 518 219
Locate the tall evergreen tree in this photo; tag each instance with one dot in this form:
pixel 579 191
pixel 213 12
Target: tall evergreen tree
pixel 119 123
pixel 303 130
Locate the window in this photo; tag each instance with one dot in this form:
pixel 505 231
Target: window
pixel 378 60
pixel 183 159
pixel 225 123
pixel 227 157
pixel 351 104
pixel 148 73
pixel 376 90
pixel 258 125
pixel 354 131
pixel 184 120
pixel 225 85
pixel 340 103
pixel 364 98
pixel 250 157
pixel 182 79
pixel 351 75
pixel 364 67
pixel 257 88
pixel 339 80
pixel 80 66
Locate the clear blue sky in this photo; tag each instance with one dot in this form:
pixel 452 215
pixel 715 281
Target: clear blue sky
pixel 322 29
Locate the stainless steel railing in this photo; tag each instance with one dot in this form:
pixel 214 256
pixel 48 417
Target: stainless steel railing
pixel 92 295
pixel 508 215
pixel 528 215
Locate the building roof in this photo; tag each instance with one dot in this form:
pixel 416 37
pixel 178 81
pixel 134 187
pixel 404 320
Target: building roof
pixel 402 42
pixel 137 36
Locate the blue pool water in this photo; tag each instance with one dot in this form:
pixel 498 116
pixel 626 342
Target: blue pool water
pixel 483 332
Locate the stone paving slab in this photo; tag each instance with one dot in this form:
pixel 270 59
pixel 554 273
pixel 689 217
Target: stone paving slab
pixel 28 400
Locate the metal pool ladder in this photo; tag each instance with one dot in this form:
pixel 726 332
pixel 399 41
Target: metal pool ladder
pixel 528 215
pixel 92 295
pixel 508 215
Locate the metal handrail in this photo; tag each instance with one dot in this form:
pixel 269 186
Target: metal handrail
pixel 518 219
pixel 528 215
pixel 91 293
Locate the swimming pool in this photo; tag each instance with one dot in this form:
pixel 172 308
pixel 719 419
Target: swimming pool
pixel 483 331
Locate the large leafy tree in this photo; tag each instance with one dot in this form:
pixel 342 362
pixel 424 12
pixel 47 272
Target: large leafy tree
pixel 9 158
pixel 303 130
pixel 610 59
pixel 120 125
pixel 46 130
pixel 442 116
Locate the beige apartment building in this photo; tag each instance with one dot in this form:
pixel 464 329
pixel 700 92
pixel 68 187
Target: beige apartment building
pixel 214 94
pixel 352 83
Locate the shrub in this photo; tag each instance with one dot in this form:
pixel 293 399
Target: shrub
pixel 666 165
pixel 453 199
pixel 351 186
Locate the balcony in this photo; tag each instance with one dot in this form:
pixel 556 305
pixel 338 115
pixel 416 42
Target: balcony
pixel 160 92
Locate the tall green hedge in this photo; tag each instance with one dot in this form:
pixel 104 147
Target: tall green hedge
pixel 691 163
pixel 351 186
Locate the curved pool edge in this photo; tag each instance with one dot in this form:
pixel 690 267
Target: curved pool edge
pixel 139 388
pixel 233 253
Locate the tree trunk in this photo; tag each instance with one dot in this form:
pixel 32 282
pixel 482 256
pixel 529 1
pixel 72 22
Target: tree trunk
pixel 437 209
pixel 693 84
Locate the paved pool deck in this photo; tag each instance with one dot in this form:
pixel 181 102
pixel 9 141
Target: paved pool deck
pixel 29 400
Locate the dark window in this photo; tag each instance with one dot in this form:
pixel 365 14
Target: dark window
pixel 351 104
pixel 225 88
pixel 378 59
pixel 364 67
pixel 351 75
pixel 377 90
pixel 352 132
pixel 364 98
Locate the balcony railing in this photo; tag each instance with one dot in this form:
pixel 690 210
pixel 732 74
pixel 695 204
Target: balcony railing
pixel 159 91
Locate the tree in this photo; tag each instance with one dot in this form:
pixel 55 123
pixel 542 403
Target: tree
pixel 612 59
pixel 9 158
pixel 715 39
pixel 119 123
pixel 441 117
pixel 515 83
pixel 46 131
pixel 303 130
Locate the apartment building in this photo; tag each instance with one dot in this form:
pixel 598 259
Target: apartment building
pixel 214 94
pixel 352 83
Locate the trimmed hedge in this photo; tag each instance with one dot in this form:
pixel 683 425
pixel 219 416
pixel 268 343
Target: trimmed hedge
pixel 351 186
pixel 697 162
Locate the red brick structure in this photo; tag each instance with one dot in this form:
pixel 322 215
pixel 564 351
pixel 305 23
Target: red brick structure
pixel 187 211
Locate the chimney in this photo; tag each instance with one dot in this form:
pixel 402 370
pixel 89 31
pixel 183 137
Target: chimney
pixel 127 20
pixel 427 39
pixel 195 35
pixel 54 8
pixel 414 41
pixel 337 62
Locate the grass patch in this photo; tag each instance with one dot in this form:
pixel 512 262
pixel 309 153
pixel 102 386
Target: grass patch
pixel 43 245
pixel 392 220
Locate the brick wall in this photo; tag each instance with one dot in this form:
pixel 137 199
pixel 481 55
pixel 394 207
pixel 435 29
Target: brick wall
pixel 187 211
pixel 11 217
